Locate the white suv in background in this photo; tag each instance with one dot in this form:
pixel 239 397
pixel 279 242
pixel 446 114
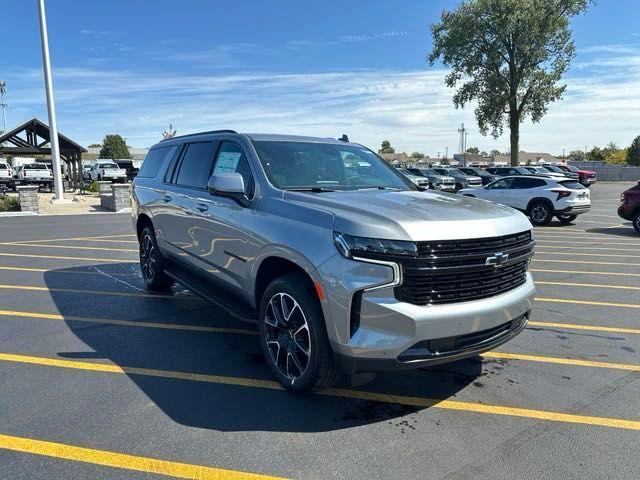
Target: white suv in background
pixel 540 198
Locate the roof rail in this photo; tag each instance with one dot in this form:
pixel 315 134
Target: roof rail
pixel 199 133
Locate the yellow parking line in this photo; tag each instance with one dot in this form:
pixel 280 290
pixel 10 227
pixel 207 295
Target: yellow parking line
pixel 586 272
pixel 582 262
pixel 127 323
pixel 572 247
pixel 587 285
pixel 33 288
pixel 45 270
pixel 334 392
pixel 73 238
pixel 594 328
pixel 63 257
pixel 562 361
pixel 122 460
pixel 584 302
pixel 584 254
pixel 73 247
pixel 540 241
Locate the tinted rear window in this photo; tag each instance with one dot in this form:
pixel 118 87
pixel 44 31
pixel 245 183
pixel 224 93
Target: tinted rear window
pixel 3 166
pixel 572 184
pixel 154 160
pixel 36 166
pixel 195 168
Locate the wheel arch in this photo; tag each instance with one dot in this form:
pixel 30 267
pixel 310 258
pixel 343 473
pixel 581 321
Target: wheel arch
pixel 143 221
pixel 272 267
pixel 544 200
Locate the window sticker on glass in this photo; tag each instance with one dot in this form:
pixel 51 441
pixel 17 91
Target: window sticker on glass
pixel 227 162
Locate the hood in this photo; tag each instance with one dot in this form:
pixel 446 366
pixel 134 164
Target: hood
pixel 412 215
pixel 585 172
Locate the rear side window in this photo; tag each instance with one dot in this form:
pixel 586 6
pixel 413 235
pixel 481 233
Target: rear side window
pixel 154 160
pixel 195 168
pixel 3 166
pixel 524 183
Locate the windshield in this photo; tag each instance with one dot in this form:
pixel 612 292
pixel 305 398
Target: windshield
pixel 451 172
pixel 309 165
pixel 573 169
pixel 554 169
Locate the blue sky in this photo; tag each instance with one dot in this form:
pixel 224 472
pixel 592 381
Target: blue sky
pixel 317 68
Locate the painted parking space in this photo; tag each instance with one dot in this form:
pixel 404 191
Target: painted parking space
pixel 169 385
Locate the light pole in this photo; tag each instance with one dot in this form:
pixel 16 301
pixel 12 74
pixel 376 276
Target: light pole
pixel 3 104
pixel 53 130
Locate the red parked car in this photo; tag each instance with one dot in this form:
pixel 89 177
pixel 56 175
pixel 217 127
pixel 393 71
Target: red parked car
pixel 585 177
pixel 629 208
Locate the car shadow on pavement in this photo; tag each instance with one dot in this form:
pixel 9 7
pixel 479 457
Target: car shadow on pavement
pixel 624 231
pixel 214 402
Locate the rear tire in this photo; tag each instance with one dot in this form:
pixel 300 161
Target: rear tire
pixel 566 219
pixel 540 213
pixel 636 221
pixel 293 335
pixel 151 263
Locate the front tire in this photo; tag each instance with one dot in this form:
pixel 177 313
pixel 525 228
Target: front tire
pixel 293 335
pixel 636 221
pixel 566 219
pixel 151 263
pixel 540 213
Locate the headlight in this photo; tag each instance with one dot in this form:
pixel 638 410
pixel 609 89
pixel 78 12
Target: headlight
pixel 350 246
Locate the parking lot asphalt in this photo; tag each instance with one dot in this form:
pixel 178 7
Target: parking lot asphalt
pixel 101 379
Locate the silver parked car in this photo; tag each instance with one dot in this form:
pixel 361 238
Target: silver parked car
pixel 445 183
pixel 415 179
pixel 462 179
pixel 342 262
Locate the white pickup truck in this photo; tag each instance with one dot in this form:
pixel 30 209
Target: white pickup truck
pixel 106 170
pixel 35 174
pixel 6 174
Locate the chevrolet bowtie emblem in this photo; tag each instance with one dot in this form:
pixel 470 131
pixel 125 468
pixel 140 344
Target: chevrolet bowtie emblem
pixel 497 259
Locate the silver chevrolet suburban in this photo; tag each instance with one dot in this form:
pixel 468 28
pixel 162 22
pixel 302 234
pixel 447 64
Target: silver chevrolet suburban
pixel 345 265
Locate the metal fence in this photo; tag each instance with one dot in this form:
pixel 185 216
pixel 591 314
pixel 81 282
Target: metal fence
pixel 610 173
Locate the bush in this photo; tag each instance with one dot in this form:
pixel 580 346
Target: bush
pixel 93 188
pixel 9 204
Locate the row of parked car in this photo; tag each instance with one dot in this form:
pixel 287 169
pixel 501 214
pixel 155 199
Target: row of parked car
pixel 542 192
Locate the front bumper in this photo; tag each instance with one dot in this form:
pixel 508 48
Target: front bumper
pixel 445 187
pixel 395 335
pixel 625 211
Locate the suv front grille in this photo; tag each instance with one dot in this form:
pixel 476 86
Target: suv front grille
pixel 453 271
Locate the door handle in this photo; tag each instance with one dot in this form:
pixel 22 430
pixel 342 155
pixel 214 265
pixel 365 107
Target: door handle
pixel 165 198
pixel 201 207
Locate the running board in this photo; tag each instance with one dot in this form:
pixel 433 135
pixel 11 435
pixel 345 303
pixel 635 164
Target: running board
pixel 228 302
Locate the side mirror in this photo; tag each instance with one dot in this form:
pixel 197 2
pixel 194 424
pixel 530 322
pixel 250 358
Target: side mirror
pixel 228 185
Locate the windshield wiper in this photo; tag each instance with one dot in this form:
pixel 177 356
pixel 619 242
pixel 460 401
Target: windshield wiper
pixel 310 189
pixel 379 187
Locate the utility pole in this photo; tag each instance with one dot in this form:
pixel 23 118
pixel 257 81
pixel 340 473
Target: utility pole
pixel 53 129
pixel 446 152
pixel 3 105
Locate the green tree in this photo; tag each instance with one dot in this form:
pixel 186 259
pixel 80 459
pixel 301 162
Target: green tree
pixel 509 56
pixel 576 155
pixel 495 152
pixel 618 157
pixel 417 155
pixel 113 147
pixel 596 154
pixel 633 152
pixel 386 147
pixel 473 150
pixel 95 145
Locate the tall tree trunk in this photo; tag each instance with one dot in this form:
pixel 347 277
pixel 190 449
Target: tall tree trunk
pixel 514 127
